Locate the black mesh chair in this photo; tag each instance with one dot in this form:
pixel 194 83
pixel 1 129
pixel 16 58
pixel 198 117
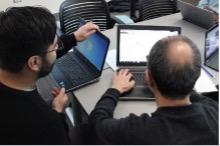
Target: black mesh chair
pixel 90 10
pixel 150 9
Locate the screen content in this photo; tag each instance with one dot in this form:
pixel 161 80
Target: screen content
pixel 212 42
pixel 135 45
pixel 94 49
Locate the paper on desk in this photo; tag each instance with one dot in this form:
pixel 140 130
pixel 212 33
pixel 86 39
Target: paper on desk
pixel 111 59
pixel 204 83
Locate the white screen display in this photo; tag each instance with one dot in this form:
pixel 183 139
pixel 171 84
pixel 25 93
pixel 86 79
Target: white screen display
pixel 135 45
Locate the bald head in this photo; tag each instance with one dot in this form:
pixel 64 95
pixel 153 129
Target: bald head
pixel 174 63
pixel 179 53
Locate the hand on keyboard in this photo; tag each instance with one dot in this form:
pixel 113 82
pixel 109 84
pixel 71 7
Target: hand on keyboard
pixel 123 81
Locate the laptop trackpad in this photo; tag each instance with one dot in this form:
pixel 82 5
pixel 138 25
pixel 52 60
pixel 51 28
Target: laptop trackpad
pixel 138 93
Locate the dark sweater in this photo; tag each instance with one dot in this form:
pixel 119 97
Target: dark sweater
pixel 25 118
pixel 193 124
pixel 69 41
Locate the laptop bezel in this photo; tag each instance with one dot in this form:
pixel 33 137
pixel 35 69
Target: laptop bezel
pixel 217 51
pixel 138 27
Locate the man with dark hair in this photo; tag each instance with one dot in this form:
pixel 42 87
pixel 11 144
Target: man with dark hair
pixel 182 116
pixel 28 45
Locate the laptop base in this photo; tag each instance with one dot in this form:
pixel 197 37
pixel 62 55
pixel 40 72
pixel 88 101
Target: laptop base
pixel 138 93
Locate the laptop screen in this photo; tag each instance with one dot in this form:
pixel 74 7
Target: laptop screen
pixel 94 48
pixel 211 41
pixel 136 41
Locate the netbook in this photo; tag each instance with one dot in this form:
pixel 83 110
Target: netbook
pixel 196 15
pixel 212 48
pixel 134 43
pixel 84 64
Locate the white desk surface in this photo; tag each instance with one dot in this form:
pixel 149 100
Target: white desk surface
pixel 89 95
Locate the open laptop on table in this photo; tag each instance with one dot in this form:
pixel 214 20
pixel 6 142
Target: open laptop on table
pixel 212 48
pixel 196 15
pixel 84 64
pixel 134 43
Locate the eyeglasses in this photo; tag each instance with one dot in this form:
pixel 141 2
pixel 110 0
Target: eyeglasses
pixel 60 47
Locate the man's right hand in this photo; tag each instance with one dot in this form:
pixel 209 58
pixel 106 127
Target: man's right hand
pixel 122 81
pixel 60 99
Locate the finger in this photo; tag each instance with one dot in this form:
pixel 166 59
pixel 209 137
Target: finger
pixel 130 75
pixel 120 71
pixel 132 83
pixel 54 94
pixel 62 90
pixel 126 71
pixel 90 32
pixel 56 90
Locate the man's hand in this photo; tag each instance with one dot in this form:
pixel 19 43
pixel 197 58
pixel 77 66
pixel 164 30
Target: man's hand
pixel 122 81
pixel 84 31
pixel 60 99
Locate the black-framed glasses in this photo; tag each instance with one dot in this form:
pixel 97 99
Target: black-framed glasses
pixel 60 47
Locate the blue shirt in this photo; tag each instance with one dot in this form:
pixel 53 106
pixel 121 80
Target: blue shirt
pixel 213 4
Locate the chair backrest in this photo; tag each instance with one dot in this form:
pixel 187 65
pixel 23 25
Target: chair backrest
pixel 94 10
pixel 150 9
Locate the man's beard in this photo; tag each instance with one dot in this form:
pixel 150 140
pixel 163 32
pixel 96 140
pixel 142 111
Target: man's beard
pixel 46 68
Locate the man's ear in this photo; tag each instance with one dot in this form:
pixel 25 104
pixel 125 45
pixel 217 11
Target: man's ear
pixel 149 79
pixel 34 63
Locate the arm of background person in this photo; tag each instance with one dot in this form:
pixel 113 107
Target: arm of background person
pixel 203 3
pixel 69 41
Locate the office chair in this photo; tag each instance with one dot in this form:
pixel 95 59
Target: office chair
pixel 90 10
pixel 150 9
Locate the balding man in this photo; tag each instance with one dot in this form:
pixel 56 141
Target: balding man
pixel 182 117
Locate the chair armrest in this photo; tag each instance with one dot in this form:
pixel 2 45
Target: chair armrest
pixel 122 19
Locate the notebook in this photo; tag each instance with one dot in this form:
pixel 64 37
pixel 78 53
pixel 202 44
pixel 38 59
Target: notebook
pixel 134 43
pixel 84 64
pixel 212 48
pixel 196 15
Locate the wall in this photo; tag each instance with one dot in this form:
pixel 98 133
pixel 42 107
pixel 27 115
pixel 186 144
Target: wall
pixel 52 5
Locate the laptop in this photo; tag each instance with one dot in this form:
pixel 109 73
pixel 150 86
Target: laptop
pixel 134 43
pixel 196 15
pixel 212 48
pixel 84 64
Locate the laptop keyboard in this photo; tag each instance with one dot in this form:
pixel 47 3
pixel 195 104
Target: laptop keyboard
pixel 139 78
pixel 75 73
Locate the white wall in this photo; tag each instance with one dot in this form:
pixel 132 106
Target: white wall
pixel 52 5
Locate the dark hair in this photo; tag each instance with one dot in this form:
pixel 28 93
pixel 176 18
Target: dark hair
pixel 173 80
pixel 24 32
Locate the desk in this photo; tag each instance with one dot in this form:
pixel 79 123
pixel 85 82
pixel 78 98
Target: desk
pixel 89 95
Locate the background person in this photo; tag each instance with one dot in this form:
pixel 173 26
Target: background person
pixel 210 5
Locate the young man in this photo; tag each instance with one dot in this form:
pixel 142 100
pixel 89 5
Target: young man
pixel 182 117
pixel 28 45
pixel 210 5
